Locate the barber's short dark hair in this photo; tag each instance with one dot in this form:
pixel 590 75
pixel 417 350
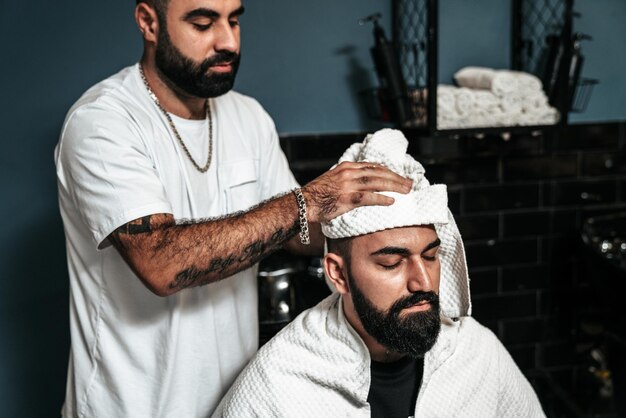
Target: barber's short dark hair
pixel 160 6
pixel 155 2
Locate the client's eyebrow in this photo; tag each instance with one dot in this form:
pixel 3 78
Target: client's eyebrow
pixel 238 12
pixel 435 243
pixel 392 251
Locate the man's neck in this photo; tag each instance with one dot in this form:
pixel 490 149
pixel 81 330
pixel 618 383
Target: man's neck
pixel 173 100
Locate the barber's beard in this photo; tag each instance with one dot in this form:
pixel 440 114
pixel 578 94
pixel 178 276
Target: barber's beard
pixel 412 334
pixel 191 77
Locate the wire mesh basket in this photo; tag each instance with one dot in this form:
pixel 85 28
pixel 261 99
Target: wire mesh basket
pixel 377 108
pixel 584 88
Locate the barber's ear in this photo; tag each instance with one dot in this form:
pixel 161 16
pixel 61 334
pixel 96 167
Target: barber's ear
pixel 334 266
pixel 147 20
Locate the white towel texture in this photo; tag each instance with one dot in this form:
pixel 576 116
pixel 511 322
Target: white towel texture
pixel 424 205
pixel 319 367
pixel 493 98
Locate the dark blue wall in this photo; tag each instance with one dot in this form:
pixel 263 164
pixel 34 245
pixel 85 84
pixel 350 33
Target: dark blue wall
pixel 605 58
pixel 311 57
pixel 51 51
pixel 304 61
pixel 313 62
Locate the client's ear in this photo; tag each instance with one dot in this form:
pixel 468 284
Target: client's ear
pixel 334 267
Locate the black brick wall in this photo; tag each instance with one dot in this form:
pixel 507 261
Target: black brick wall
pixel 519 205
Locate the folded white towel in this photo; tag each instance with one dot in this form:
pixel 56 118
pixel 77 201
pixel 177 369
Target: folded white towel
pixel 446 102
pixel 546 116
pixel 534 102
pixel 485 102
pixel 484 120
pixel 475 77
pixel 447 114
pixel 508 119
pixel 449 123
pixel 462 107
pixel 500 83
pixel 528 83
pixel 459 107
pixel 511 104
pixel 464 101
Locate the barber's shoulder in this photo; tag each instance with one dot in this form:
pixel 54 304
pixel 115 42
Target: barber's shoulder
pixel 115 95
pixel 111 89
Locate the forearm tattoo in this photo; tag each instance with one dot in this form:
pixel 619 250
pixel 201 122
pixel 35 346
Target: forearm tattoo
pixel 138 226
pixel 251 254
pixel 157 243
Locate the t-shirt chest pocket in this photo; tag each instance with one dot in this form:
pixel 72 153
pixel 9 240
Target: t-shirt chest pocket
pixel 240 184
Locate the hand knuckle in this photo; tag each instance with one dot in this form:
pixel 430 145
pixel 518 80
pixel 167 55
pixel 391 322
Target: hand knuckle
pixel 344 176
pixel 357 198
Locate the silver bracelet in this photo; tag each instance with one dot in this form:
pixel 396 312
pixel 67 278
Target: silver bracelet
pixel 304 224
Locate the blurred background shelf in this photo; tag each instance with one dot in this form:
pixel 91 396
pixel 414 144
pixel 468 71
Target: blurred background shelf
pixel 533 25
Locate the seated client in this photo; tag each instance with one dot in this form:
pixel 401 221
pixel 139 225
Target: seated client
pixel 395 339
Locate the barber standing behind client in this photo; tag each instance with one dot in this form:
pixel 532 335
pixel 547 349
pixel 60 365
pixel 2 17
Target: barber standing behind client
pixel 159 170
pixel 395 340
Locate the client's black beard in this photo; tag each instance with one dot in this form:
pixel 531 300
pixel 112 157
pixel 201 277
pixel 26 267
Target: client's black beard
pixel 413 334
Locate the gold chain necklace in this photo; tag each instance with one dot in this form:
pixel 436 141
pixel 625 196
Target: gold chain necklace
pixel 207 106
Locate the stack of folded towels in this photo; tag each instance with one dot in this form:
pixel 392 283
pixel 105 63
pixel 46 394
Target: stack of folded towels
pixel 490 98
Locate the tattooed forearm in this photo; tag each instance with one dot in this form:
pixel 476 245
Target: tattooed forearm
pixel 168 256
pixel 250 255
pixel 138 226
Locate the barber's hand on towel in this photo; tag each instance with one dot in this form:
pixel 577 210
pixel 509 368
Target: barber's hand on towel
pixel 350 185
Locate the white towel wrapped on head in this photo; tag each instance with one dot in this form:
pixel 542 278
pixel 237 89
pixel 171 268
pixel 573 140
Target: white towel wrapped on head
pixel 425 204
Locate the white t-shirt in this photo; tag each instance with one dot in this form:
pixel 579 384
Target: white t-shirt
pixel 135 354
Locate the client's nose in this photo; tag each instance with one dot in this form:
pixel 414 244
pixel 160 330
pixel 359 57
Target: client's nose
pixel 419 279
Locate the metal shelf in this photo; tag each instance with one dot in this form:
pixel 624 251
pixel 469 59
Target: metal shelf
pixel 416 37
pixel 532 130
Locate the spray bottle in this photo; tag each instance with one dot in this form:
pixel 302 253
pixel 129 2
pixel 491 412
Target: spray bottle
pixel 389 74
pixel 575 65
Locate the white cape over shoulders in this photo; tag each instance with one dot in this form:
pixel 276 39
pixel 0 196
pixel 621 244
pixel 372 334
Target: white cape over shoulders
pixel 318 366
